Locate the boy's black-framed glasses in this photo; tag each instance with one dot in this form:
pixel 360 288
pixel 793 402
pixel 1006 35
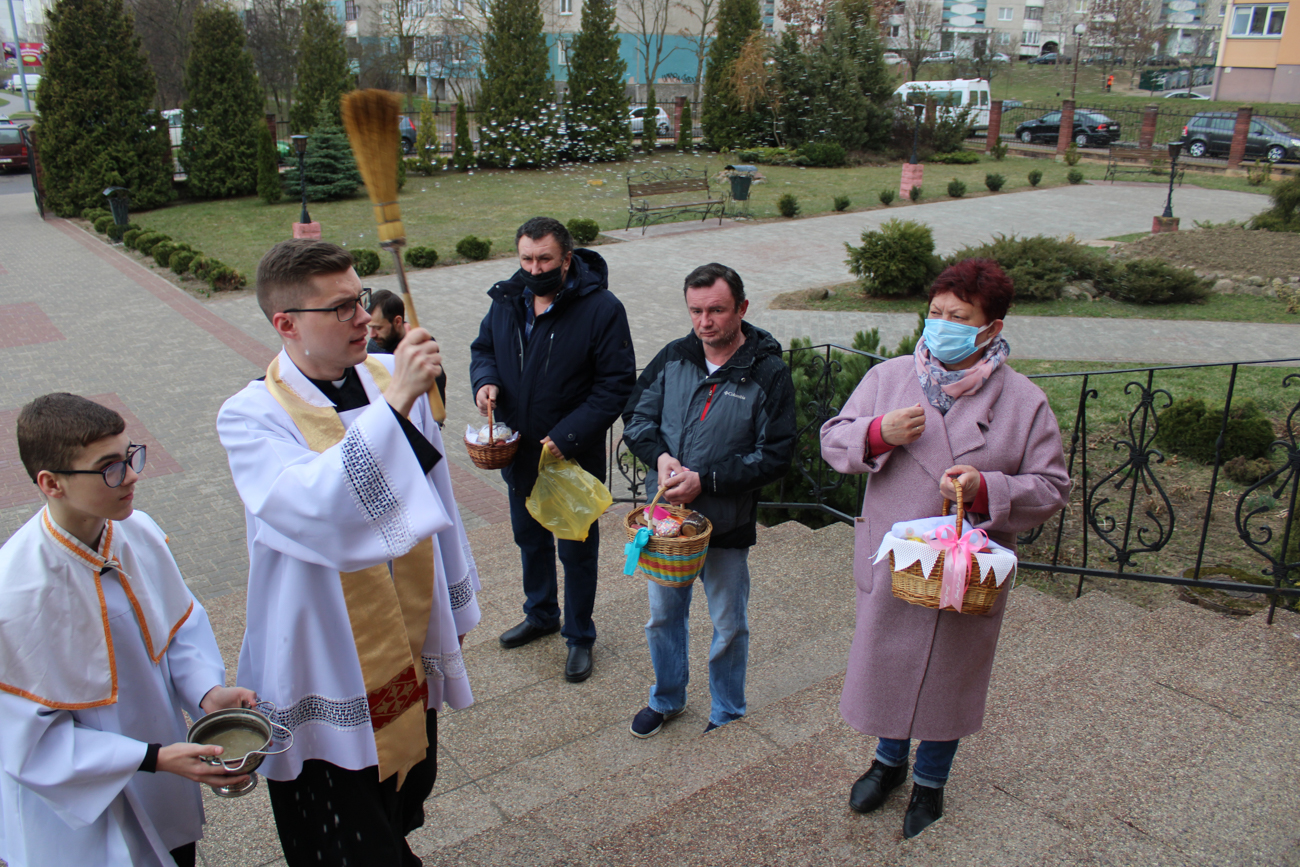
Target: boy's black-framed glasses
pixel 115 473
pixel 344 311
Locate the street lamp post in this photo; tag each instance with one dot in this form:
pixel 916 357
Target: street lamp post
pixel 1174 148
pixel 300 145
pixel 1079 30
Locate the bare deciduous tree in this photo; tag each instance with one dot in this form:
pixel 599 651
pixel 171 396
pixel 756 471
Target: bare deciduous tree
pixel 164 29
pixel 646 21
pixel 918 32
pixel 700 34
pixel 273 27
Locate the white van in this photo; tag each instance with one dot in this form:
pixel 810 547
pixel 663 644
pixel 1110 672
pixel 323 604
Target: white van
pixel 16 85
pixel 950 96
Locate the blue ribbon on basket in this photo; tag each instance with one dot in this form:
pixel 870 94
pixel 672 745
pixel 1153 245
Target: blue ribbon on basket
pixel 633 549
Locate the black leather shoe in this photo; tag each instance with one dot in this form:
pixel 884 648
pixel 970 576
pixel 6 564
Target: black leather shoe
pixel 524 633
pixel 871 789
pixel 925 808
pixel 578 668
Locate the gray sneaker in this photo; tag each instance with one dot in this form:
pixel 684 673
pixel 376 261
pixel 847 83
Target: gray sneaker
pixel 649 721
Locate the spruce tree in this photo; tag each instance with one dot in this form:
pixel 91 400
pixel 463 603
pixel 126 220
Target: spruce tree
pixel 98 126
pixel 426 139
pixel 269 186
pixel 518 119
pixel 726 123
pixel 322 68
pixel 329 165
pixel 463 157
pixel 596 121
pixel 223 108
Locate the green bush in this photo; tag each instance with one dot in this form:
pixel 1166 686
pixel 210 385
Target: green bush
pixel 769 156
pixel 840 203
pixel 1072 155
pixel 115 231
pixel 1075 176
pixel 1191 429
pixel 1040 266
pixel 1035 175
pixel 1247 472
pixel 366 262
pixel 1154 281
pixel 102 224
pixel 130 235
pixel 93 213
pixel 957 158
pixel 200 266
pixel 898 259
pixel 162 252
pixel 1284 215
pixel 181 260
pixel 223 278
pixel 584 231
pixel 956 188
pixel 1258 173
pixel 421 257
pixel 915 193
pixel 145 243
pixel 824 154
pixel 473 248
pixel 994 182
pixel 999 151
pixel 788 205
pixel 887 196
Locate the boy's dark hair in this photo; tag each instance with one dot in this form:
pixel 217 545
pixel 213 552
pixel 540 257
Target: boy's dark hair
pixel 539 227
pixel 54 428
pixel 706 275
pixel 285 272
pixel 388 303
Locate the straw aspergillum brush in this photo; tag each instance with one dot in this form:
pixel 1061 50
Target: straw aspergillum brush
pixel 371 118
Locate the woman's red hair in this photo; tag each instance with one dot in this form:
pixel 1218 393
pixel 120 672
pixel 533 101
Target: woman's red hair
pixel 981 282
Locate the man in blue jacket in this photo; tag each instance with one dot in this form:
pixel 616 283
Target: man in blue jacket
pixel 713 417
pixel 554 356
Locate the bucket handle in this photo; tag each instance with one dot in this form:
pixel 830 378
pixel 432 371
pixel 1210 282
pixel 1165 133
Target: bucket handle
pixel 266 708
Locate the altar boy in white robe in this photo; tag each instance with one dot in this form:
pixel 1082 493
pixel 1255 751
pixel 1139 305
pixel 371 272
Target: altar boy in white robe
pixel 101 647
pixel 361 582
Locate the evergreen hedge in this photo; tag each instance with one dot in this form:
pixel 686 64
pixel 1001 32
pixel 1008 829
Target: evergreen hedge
pixel 421 257
pixel 474 248
pixel 596 121
pixel 518 120
pixel 223 108
pixel 726 123
pixel 322 72
pixel 269 187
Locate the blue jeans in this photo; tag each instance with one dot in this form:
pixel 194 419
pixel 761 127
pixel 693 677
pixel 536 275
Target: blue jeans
pixel 933 759
pixel 726 587
pixel 537 547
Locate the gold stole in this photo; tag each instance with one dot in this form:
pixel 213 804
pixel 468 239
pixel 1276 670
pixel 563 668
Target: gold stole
pixel 382 609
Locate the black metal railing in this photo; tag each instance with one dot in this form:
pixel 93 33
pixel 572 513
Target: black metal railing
pixel 1123 520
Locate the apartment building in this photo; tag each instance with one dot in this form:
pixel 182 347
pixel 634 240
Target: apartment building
pixel 1259 55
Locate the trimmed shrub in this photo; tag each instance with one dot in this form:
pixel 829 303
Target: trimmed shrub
pixel 474 248
pixel 1075 176
pixel 145 243
pixel 201 266
pixel 1247 472
pixel 115 231
pixel 1035 175
pixel 771 156
pixel 93 213
pixel 223 278
pixel 824 154
pixel 896 260
pixel 1040 266
pixel 421 257
pixel 957 158
pixel 366 262
pixel 129 236
pixel 1284 216
pixel 887 197
pixel 584 231
pixel 915 193
pixel 788 205
pixel 102 224
pixel 180 261
pixel 999 151
pixel 956 188
pixel 1190 428
pixel 840 203
pixel 1154 281
pixel 162 252
pixel 1072 155
pixel 994 182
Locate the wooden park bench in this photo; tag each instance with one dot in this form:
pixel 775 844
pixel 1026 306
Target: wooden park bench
pixel 1139 161
pixel 662 193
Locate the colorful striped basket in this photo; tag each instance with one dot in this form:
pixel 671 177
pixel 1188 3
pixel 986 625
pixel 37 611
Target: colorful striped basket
pixel 673 561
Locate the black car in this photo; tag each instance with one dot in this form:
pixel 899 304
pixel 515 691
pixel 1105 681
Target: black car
pixel 1090 128
pixel 1050 57
pixel 408 135
pixel 1209 133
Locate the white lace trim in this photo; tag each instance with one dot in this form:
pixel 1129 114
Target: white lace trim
pixel 443 667
pixel 383 507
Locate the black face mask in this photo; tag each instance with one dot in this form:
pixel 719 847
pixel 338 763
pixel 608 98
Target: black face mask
pixel 544 284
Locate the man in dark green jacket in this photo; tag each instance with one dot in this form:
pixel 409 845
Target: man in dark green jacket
pixel 713 417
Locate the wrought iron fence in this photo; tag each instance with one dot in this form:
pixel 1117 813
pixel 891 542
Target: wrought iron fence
pixel 1128 517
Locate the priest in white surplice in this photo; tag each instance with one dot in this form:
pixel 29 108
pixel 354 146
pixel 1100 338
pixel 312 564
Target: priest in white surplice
pixel 361 581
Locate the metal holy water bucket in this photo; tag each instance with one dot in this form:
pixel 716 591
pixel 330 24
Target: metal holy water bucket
pixel 235 728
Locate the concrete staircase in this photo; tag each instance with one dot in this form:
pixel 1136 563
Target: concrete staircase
pixel 1114 735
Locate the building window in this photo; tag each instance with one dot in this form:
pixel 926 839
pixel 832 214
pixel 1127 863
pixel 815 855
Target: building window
pixel 894 30
pixel 457 8
pixel 1003 37
pixel 1006 13
pixel 1031 37
pixel 1033 13
pixel 1258 20
pixel 350 10
pixel 566 7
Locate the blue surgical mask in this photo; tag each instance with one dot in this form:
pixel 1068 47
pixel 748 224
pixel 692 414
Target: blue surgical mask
pixel 951 342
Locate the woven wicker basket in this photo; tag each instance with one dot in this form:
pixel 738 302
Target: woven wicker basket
pixel 673 561
pixel 914 586
pixel 496 453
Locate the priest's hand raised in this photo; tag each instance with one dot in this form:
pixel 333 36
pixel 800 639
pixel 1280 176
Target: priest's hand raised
pixel 418 364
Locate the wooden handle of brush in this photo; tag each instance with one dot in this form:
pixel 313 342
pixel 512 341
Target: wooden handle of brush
pixel 435 398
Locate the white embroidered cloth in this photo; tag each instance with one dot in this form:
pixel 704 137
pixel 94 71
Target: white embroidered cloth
pixel 998 560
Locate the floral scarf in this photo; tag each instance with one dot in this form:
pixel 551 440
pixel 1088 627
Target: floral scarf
pixel 942 387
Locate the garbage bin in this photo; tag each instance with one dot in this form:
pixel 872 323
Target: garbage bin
pixel 118 205
pixel 742 178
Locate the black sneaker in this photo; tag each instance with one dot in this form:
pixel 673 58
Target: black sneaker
pixel 649 721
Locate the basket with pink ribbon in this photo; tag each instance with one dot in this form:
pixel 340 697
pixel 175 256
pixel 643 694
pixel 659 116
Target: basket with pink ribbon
pixel 936 565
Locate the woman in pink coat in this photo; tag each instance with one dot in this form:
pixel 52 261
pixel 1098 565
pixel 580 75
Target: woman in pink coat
pixel 953 409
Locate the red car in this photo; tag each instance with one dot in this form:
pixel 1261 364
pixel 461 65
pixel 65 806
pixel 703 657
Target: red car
pixel 13 147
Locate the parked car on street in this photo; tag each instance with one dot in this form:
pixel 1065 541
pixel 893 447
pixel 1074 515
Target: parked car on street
pixel 1090 128
pixel 1051 58
pixel 663 127
pixel 1209 133
pixel 1185 94
pixel 940 57
pixel 13 148
pixel 407 130
pixel 1008 104
pixel 1000 58
pixel 892 58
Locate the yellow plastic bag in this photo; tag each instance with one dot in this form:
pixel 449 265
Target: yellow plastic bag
pixel 566 499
